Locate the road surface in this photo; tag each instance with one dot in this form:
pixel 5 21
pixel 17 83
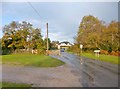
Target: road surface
pixel 92 73
pixel 77 72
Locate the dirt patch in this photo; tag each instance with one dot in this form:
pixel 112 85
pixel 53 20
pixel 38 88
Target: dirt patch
pixel 41 77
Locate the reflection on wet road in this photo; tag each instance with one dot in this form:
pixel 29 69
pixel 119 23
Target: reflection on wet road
pixel 92 73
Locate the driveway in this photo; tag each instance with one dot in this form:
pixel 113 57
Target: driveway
pixel 77 72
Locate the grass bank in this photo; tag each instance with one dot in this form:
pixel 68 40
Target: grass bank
pixel 107 58
pixel 8 84
pixel 31 60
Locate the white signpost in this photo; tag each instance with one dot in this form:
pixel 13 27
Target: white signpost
pixel 81 46
pixel 97 52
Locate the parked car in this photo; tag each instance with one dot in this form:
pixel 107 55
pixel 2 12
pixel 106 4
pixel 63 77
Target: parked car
pixel 62 50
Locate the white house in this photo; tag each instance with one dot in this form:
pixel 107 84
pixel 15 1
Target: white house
pixel 64 45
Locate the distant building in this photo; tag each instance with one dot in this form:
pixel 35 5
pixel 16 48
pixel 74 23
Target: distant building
pixel 64 45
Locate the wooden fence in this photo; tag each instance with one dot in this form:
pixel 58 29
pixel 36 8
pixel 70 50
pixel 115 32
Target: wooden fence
pixel 53 52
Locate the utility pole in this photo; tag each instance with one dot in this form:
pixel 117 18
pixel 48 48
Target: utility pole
pixel 47 38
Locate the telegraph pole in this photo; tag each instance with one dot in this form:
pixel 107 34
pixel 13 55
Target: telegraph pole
pixel 47 38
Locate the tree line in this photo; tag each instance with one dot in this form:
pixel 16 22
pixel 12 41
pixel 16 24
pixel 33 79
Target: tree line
pixel 18 36
pixel 95 34
pixel 92 34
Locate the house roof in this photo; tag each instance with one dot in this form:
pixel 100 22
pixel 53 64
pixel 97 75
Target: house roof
pixel 65 43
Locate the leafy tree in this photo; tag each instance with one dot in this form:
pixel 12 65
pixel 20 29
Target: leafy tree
pixel 54 44
pixel 89 33
pixel 112 36
pixel 21 36
pixel 94 34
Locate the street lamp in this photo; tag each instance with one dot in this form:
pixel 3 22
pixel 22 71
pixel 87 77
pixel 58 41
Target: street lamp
pixel 81 46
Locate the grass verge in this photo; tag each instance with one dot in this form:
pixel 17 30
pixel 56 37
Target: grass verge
pixel 31 60
pixel 8 84
pixel 107 58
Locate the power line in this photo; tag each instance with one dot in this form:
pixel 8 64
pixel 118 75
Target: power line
pixel 33 8
pixel 46 24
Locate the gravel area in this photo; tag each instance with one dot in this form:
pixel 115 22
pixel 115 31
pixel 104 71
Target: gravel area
pixel 41 77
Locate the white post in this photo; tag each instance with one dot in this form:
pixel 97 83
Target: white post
pixel 81 46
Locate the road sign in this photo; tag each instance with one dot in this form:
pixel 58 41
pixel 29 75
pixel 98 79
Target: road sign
pixel 96 51
pixel 81 46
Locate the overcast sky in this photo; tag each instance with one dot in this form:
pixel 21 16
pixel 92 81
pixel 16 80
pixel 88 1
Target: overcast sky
pixel 63 17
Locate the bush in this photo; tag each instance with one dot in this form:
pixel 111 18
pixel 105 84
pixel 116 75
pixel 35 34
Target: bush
pixel 21 51
pixel 104 52
pixel 41 51
pixel 118 53
pixel 114 53
pixel 6 51
pixel 75 49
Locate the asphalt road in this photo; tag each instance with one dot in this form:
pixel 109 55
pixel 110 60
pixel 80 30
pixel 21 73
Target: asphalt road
pixel 77 72
pixel 91 73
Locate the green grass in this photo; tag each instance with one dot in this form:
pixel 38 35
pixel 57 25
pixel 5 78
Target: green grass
pixel 31 60
pixel 107 58
pixel 8 84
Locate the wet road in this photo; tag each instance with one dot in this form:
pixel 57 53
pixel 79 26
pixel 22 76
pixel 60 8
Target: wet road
pixel 77 72
pixel 91 73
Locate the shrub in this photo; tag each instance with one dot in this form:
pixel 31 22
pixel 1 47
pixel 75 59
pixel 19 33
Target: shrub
pixel 114 53
pixel 41 51
pixel 104 52
pixel 118 53
pixel 6 51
